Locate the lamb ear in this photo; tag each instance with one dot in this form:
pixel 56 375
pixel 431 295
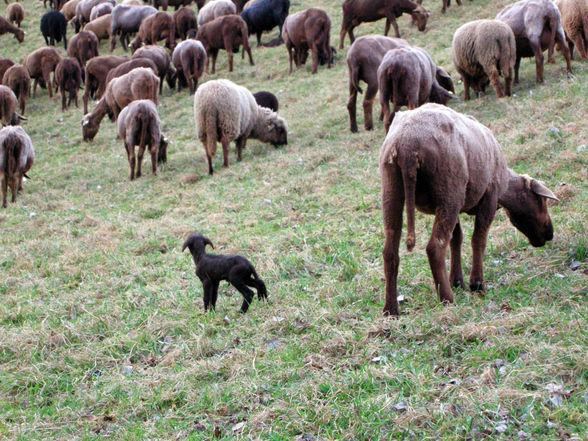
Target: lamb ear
pixel 540 189
pixel 186 244
pixel 208 242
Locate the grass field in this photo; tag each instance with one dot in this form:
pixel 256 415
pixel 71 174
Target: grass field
pixel 102 328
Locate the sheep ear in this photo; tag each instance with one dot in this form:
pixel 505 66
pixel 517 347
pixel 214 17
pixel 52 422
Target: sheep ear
pixel 22 118
pixel 540 189
pixel 208 242
pixel 187 244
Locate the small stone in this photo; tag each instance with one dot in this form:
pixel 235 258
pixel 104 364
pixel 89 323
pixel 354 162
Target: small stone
pixel 556 400
pixel 378 359
pixel 141 196
pixel 530 93
pixel 400 407
pixel 561 276
pixel 226 320
pixel 523 435
pixel 575 265
pixel 32 215
pixel 501 427
pixel 581 148
pixel 267 202
pixel 551 425
pixel 455 381
pixel 400 298
pixel 127 370
pixel 498 363
pixel 99 187
pixel 278 319
pixel 305 437
pixel 502 371
pixel 299 162
pixel 554 130
pixel 496 262
pixel 238 426
pixel 274 344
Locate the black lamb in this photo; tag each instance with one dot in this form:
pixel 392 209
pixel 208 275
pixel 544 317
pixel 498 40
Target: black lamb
pixel 266 15
pixel 211 269
pixel 267 99
pixel 54 27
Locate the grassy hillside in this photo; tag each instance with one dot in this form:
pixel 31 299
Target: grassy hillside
pixel 102 328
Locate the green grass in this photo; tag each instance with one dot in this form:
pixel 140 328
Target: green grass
pixel 94 281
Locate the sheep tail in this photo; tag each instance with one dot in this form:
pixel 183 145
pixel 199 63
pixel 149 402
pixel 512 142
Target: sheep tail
pixel 409 178
pixel 354 78
pixel 11 152
pixel 261 288
pixel 144 131
pixel 245 38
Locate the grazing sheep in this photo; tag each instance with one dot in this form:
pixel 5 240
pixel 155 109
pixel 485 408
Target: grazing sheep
pixel 7 28
pixel 139 83
pixel 69 9
pixel 92 120
pixel 8 103
pixel 177 3
pixel 132 2
pixel 95 79
pixel 139 125
pixel 18 79
pixel 362 11
pixel 40 64
pixel 17 156
pixel 5 64
pixel 163 62
pixel 446 163
pixel 184 20
pixel 189 58
pixel 99 10
pixel 84 10
pixel 574 16
pixel 83 46
pixel 447 3
pixel 128 66
pixel 68 77
pixel 267 99
pixel 227 112
pixel 215 9
pixel 240 4
pixel 100 27
pixel 211 269
pixel 266 15
pixel 407 76
pixel 481 50
pixel 125 21
pixel 309 29
pixel 154 28
pixel 15 13
pixel 54 28
pixel 249 4
pixel 227 32
pixel 536 25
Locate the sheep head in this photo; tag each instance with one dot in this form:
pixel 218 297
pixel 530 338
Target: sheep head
pixel 19 35
pixel 196 243
pixel 89 128
pixel 270 128
pixel 419 17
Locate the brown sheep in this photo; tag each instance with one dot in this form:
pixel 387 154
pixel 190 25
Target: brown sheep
pixel 40 64
pixel 83 47
pixel 128 66
pixel 8 103
pixel 163 62
pixel 447 3
pixel 189 58
pixel 481 50
pixel 99 10
pixel 446 163
pixel 214 9
pixel 407 76
pixel 5 64
pixel 7 27
pixel 69 9
pixel 536 25
pixel 95 79
pixel 309 29
pixel 361 11
pixel 68 77
pixel 227 32
pixel 184 20
pixel 100 27
pixel 18 79
pixel 15 13
pixel 154 28
pixel 84 9
pixel 17 156
pixel 574 16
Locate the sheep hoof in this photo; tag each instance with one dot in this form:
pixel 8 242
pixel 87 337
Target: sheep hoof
pixel 477 286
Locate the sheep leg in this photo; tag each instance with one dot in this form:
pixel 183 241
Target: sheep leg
pixel 229 49
pixel 315 59
pixel 516 67
pixel 368 105
pixel 207 286
pixel 213 294
pixel 342 34
pixel 4 189
pixel 392 206
pixel 63 100
pixel 290 56
pixel 46 70
pixel 226 145
pixel 560 39
pixel 456 273
pixel 495 80
pixel 259 39
pixel 240 142
pixel 237 276
pixel 536 47
pixel 214 55
pixel 131 156
pixel 581 47
pixel 259 286
pixel 248 49
pixel 154 150
pixel 484 217
pixel 351 108
pixel 140 155
pixel 35 88
pixel 393 21
pixel 14 186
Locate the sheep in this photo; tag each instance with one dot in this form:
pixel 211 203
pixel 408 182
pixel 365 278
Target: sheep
pixel 125 20
pixel 17 156
pixel 139 125
pixel 8 103
pixel 84 9
pixel 69 9
pixel 184 20
pixel 68 77
pixel 95 78
pixel 128 66
pixel 5 64
pixel 266 15
pixel 189 58
pixel 18 79
pixel 54 28
pixel 211 269
pixel 15 13
pixel 446 163
pixel 574 16
pixel 407 76
pixel 132 2
pixel 177 3
pixel 100 27
pixel 7 28
pixel 92 120
pixel 361 11
pixel 482 49
pixel 536 25
pixel 99 10
pixel 249 4
pixel 227 32
pixel 447 3
pixel 40 64
pixel 240 4
pixel 308 29
pixel 83 46
pixel 227 112
pixel 215 9
pixel 156 27
pixel 267 99
pixel 163 62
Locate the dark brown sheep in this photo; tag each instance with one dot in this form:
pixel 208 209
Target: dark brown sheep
pixel 8 104
pixel 227 32
pixel 163 62
pixel 177 3
pixel 189 58
pixel 68 76
pixel 40 64
pixel 84 9
pixel 446 163
pixel 184 20
pixel 536 25
pixel 5 64
pixel 309 29
pixel 7 27
pixel 15 13
pixel 356 12
pixel 18 79
pixel 17 156
pixel 407 77
pixel 83 47
pixel 574 16
pixel 447 3
pixel 154 28
pixel 128 66
pixel 95 80
pixel 267 99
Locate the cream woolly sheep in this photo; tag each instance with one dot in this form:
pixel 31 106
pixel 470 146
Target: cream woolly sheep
pixel 574 17
pixel 482 49
pixel 214 9
pixel 227 112
pixel 16 158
